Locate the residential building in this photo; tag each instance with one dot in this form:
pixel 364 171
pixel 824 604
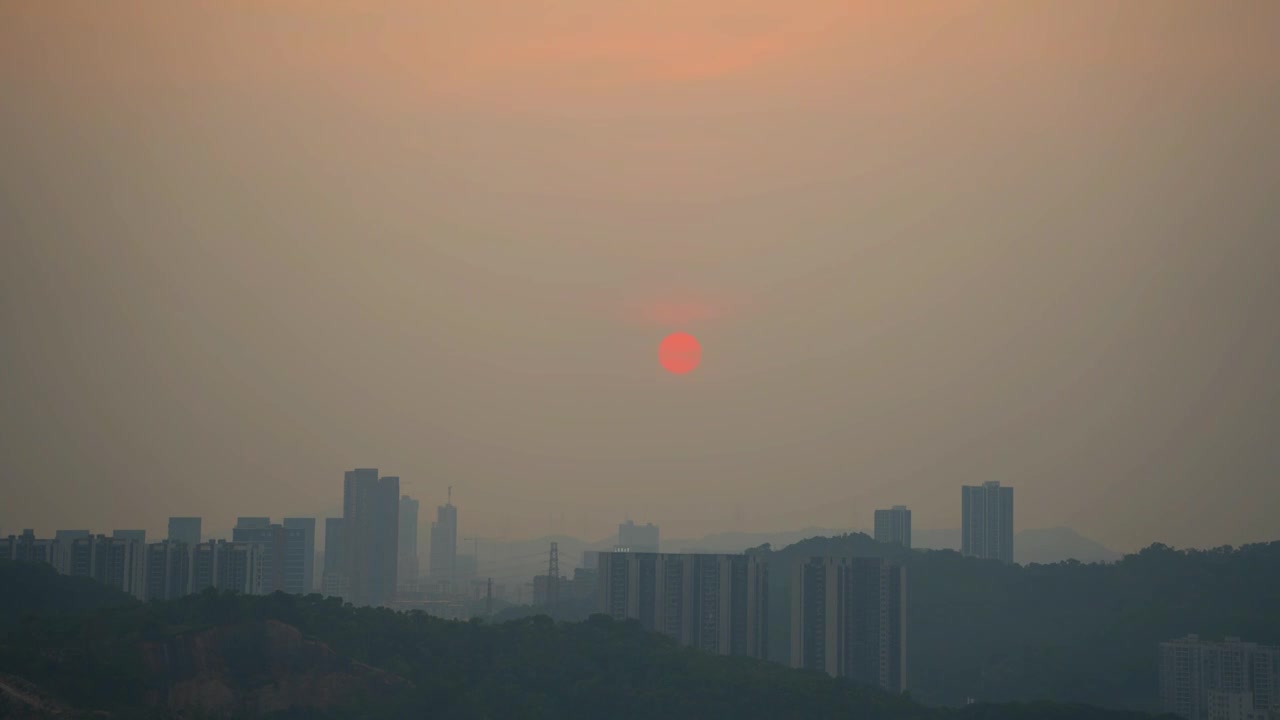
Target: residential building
pixel 1200 679
pixel 718 603
pixel 28 548
pixel 283 561
pixel 407 545
pixel 116 562
pixel 168 570
pixel 308 527
pixel 185 530
pixel 893 526
pixel 370 533
pixel 227 566
pixel 848 619
pixel 637 538
pixel 986 527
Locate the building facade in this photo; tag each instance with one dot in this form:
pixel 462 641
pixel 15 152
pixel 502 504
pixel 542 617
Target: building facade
pixel 849 619
pixel 370 532
pixel 1200 679
pixel 283 566
pixel 444 544
pixel 331 581
pixel 185 530
pixel 407 545
pixel 717 603
pixel 308 549
pixel 986 525
pixel 637 538
pixel 168 573
pixel 893 526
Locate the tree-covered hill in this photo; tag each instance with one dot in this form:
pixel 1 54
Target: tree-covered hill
pixel 220 655
pixel 1068 632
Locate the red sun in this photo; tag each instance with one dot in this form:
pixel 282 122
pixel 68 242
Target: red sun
pixel 679 353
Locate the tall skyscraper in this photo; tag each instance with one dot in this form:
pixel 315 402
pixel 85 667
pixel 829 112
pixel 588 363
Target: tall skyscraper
pixel 1202 680
pixel 407 546
pixel 893 526
pixel 986 527
pixel 848 618
pixel 185 530
pixel 331 579
pixel 444 543
pixel 283 562
pixel 370 532
pixel 718 603
pixel 308 527
pixel 637 538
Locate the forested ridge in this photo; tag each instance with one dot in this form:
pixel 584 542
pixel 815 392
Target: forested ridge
pixel 222 655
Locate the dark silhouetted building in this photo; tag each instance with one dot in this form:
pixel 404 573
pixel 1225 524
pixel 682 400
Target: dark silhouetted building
pixel 637 538
pixel 283 567
pixel 370 533
pixel 227 566
pixel 848 619
pixel 116 562
pixel 308 528
pixel 986 527
pixel 717 603
pixel 331 579
pixel 135 535
pixel 185 530
pixel 893 526
pixel 168 572
pixel 444 544
pixel 407 547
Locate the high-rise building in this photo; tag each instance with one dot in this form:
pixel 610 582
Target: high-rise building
pixel 718 603
pixel 407 546
pixel 28 548
pixel 848 618
pixel 893 526
pixel 227 566
pixel 116 562
pixel 637 538
pixel 168 570
pixel 370 533
pixel 308 528
pixel 331 581
pixel 986 527
pixel 283 566
pixel 444 543
pixel 185 530
pixel 135 535
pixel 1202 680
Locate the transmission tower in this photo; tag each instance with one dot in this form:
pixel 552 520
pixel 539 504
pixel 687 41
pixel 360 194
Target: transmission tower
pixel 553 577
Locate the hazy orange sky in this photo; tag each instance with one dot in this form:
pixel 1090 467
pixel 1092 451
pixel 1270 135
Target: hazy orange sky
pixel 247 246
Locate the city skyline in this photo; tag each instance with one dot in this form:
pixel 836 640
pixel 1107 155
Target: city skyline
pixel 919 248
